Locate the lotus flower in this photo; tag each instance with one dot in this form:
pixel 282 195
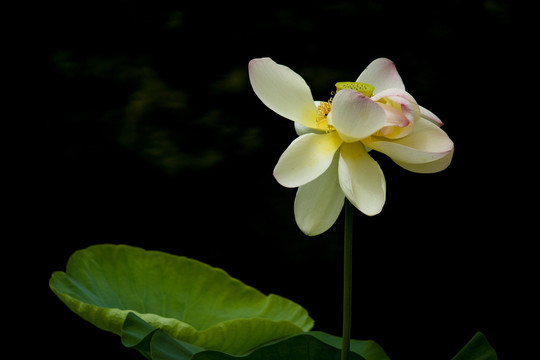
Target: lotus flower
pixel 330 161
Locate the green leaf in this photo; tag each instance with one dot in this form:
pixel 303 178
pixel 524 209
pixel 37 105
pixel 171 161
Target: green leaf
pixel 190 301
pixel 478 348
pixel 153 343
pixel 165 347
pixel 302 346
pixel 137 334
pixel 368 349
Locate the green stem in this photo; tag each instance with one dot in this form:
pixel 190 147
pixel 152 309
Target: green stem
pixel 347 280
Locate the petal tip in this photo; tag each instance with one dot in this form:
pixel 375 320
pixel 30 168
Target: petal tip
pixel 382 74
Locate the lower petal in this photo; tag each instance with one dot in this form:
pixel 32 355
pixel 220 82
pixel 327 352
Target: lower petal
pixel 361 179
pixel 426 143
pixel 430 167
pixel 306 158
pixel 319 202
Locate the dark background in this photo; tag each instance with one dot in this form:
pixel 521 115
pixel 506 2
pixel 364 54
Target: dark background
pixel 148 133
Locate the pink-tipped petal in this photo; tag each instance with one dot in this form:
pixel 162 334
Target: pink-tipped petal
pixel 403 114
pixel 430 167
pixel 426 143
pixel 394 117
pixel 428 115
pixel 356 116
pixel 382 75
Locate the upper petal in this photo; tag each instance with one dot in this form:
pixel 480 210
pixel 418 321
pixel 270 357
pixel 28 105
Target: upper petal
pixel 306 158
pixel 283 91
pixel 319 202
pixel 382 75
pixel 426 143
pixel 361 179
pixel 356 116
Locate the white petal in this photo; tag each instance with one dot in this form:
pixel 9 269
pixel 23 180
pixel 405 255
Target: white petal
pixel 430 167
pixel 394 117
pixel 426 143
pixel 356 116
pixel 302 129
pixel 382 75
pixel 283 91
pixel 395 94
pixel 403 102
pixel 428 115
pixel 361 179
pixel 319 202
pixel 306 158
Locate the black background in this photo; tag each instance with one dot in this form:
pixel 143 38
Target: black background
pixel 148 133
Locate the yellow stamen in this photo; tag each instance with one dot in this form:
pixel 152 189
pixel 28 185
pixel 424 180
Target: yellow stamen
pixel 322 113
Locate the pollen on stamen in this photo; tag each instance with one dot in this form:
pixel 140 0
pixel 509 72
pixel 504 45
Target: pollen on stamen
pixel 323 109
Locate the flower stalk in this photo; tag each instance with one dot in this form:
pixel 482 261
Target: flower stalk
pixel 347 280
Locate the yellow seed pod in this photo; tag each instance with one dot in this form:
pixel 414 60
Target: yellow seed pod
pixel 364 89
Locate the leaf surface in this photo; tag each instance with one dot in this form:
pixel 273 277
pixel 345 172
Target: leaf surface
pixel 189 300
pixel 478 348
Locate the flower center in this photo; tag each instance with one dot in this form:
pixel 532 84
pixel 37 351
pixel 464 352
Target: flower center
pixel 323 109
pixel 363 88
